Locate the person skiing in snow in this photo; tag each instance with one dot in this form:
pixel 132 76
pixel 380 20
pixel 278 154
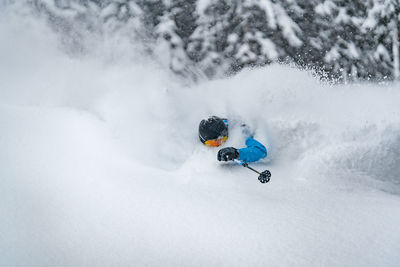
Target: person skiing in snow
pixel 213 132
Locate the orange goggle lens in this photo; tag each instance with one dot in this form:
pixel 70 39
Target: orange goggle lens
pixel 216 142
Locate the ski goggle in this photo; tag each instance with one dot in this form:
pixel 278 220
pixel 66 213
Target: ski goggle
pixel 216 142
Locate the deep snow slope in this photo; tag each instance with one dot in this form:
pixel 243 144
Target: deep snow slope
pixel 100 164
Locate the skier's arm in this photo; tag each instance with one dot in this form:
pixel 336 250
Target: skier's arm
pixel 253 152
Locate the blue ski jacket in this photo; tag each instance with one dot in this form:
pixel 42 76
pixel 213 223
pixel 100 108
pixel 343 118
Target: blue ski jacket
pixel 253 152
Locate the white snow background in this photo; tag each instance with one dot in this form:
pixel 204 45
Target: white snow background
pixel 100 163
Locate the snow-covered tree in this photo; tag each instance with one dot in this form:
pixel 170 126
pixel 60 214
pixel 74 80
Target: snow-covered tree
pixel 338 26
pixel 383 23
pixel 242 33
pixel 208 43
pixel 172 32
pixel 349 40
pixel 171 46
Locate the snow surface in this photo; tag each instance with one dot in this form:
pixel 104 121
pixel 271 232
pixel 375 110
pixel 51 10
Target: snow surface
pixel 100 164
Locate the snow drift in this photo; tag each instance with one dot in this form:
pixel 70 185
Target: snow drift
pixel 100 164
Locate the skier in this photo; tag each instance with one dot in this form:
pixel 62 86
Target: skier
pixel 214 131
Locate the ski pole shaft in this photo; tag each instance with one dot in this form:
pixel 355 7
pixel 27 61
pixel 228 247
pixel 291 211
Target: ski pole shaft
pixel 246 165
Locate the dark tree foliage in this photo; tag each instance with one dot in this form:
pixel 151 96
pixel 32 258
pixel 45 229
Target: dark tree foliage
pixel 348 40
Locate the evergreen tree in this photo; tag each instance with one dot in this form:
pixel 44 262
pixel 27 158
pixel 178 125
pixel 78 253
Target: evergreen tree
pixel 175 26
pixel 348 39
pixel 382 23
pixel 243 33
pixel 172 46
pixel 215 31
pixel 339 22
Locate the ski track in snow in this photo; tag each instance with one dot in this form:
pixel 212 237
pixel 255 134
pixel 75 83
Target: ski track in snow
pixel 100 165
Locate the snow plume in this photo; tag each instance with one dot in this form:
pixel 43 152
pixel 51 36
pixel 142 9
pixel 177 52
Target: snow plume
pixel 83 25
pixel 100 164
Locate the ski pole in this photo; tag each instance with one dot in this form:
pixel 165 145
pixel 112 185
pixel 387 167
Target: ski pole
pixel 263 177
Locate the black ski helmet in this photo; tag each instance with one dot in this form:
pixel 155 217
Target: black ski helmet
pixel 212 129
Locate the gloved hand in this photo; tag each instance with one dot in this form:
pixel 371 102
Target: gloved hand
pixel 228 153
